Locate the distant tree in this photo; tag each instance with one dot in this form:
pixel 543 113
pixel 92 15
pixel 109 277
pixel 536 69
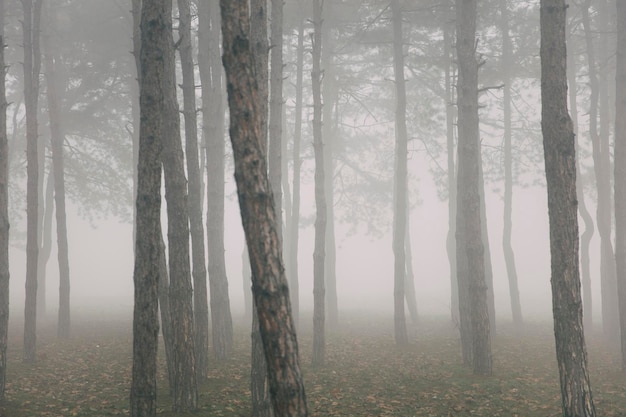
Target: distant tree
pixel 319 308
pixel 4 215
pixel 185 391
pixel 32 64
pixel 560 165
pixel 475 334
pixel 58 166
pixel 400 181
pixel 269 284
pixel 620 172
pixel 199 273
pixel 155 15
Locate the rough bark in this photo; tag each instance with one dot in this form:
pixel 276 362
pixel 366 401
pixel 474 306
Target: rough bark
pixel 470 251
pixel 560 165
pixel 154 25
pixel 319 292
pixel 259 384
pixel 199 273
pixel 32 14
pixel 270 289
pixel 213 132
pixel 509 254
pixel 57 138
pixel 180 291
pixel 620 172
pixel 400 181
pixel 294 229
pixel 4 216
pixel 276 108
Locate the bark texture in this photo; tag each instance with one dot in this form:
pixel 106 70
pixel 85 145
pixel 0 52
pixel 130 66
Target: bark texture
pixel 400 182
pixel 154 41
pixel 560 165
pixel 4 216
pixel 319 292
pixel 475 335
pixel 271 293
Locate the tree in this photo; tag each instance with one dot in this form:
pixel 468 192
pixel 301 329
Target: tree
pixel 475 336
pixel 400 181
pixel 32 64
pixel 201 319
pixel 560 165
pixel 620 173
pixel 155 15
pixel 269 284
pixel 185 391
pixel 319 313
pixel 276 107
pixel 58 167
pixel 4 215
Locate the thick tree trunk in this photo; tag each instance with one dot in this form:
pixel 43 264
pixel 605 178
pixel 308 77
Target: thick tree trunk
pixel 294 228
pixel 154 18
pixel 199 273
pixel 585 238
pixel 260 47
pixel 136 19
pixel 57 137
pixel 4 217
pixel 319 292
pixel 32 59
pixel 509 255
pixel 560 165
pixel 470 250
pixel 400 181
pixel 213 132
pixel 620 172
pixel 271 292
pixel 180 291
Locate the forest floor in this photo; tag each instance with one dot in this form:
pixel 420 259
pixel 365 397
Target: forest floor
pixel 365 374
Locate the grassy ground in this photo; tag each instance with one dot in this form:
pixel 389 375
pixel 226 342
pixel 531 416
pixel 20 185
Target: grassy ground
pixel 366 374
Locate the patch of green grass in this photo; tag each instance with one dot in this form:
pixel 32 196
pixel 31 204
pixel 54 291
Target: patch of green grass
pixel 365 374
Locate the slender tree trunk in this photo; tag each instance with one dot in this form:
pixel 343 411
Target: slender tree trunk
pixel 484 231
pixel 509 255
pixel 199 273
pixel 620 172
pixel 470 250
pixel 409 293
pixel 400 181
pixel 585 239
pixel 4 217
pixel 319 314
pixel 32 60
pixel 560 165
pixel 148 254
pixel 57 138
pixel 46 243
pixel 180 291
pixel 260 47
pixel 276 109
pixel 136 19
pixel 450 122
pixel 294 229
pixel 270 289
pixel 166 317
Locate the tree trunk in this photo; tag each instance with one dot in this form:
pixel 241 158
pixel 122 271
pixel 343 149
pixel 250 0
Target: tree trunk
pixel 201 319
pixel 585 239
pixel 620 172
pixel 213 132
pixel 260 47
pixel 509 255
pixel 294 228
pixel 409 291
pixel 155 16
pixel 560 165
pixel 57 137
pixel 484 231
pixel 4 217
pixel 46 243
pixel 32 64
pixel 166 317
pixel 470 250
pixel 276 109
pixel 136 19
pixel 270 289
pixel 400 181
pixel 180 291
pixel 319 314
